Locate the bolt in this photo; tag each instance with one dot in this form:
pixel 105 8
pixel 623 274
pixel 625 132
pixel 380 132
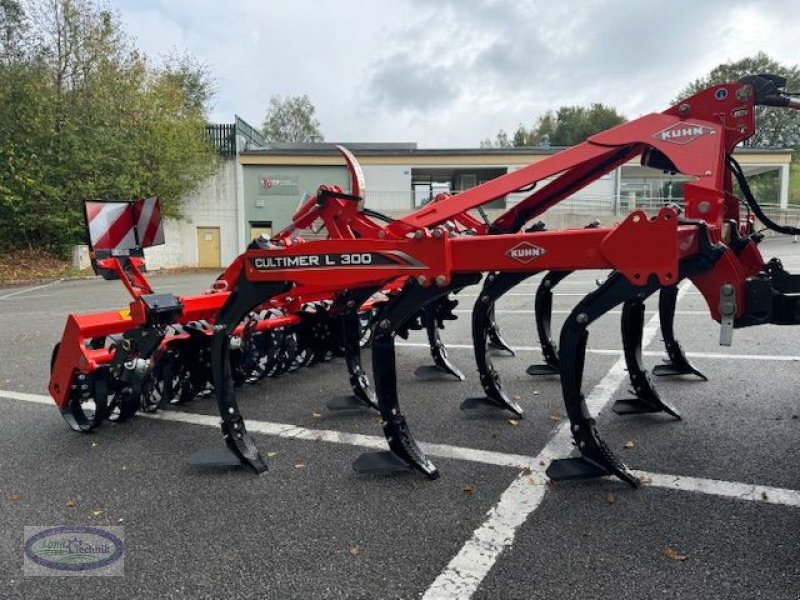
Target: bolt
pixel 576 428
pixel 441 280
pixel 394 411
pixel 684 109
pixel 419 234
pixel 582 318
pixel 422 280
pixel 581 444
pixel 385 324
pixel 231 411
pixel 485 298
pixel 547 283
pixel 437 233
pixel 351 303
pixel 381 234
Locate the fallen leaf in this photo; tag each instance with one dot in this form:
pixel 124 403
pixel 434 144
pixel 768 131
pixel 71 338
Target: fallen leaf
pixel 554 417
pixel 645 480
pixel 300 466
pixel 70 502
pixel 541 463
pixel 764 496
pixel 97 512
pixel 517 397
pixel 611 498
pixel 120 520
pixel 628 445
pixel 469 490
pixel 535 392
pixel 95 444
pixel 316 415
pixel 526 471
pixel 271 454
pixel 14 497
pixel 531 481
pixel 318 438
pixel 513 422
pixel 355 550
pixel 674 554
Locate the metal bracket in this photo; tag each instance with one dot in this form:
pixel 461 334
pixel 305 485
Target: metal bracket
pixel 727 310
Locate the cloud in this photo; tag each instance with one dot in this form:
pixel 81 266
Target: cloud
pixel 453 72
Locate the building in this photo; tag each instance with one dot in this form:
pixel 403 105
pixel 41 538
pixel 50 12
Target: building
pixel 259 186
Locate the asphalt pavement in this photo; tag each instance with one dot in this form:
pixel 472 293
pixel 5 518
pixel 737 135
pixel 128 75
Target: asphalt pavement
pixel 718 516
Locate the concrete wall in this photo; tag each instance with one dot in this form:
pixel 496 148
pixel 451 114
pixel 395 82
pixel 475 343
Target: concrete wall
pixel 213 204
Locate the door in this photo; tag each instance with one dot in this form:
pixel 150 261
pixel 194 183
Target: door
pixel 208 248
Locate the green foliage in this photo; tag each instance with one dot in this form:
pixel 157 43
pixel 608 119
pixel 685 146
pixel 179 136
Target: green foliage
pixel 568 126
pixel 84 115
pixel 291 120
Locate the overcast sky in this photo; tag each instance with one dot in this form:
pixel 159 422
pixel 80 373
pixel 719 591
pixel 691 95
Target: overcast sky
pixel 450 73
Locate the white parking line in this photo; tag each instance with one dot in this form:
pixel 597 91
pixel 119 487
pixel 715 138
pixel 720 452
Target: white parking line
pixel 30 289
pixel 648 353
pixel 501 311
pixel 465 572
pixel 536 477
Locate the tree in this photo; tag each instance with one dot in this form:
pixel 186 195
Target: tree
pixel 83 114
pixel 568 126
pixel 291 120
pixel 194 79
pixel 776 127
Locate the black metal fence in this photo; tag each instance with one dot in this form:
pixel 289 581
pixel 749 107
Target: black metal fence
pixel 223 137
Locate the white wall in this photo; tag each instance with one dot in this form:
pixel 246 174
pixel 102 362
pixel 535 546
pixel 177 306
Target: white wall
pixel 599 191
pixel 213 204
pixel 388 187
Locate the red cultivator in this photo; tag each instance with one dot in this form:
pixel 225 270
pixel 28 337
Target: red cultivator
pixel 285 301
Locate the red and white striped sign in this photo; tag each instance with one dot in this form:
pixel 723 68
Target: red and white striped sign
pixel 148 222
pixel 120 225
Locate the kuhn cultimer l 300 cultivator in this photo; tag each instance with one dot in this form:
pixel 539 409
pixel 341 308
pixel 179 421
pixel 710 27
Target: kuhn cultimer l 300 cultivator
pixel 286 301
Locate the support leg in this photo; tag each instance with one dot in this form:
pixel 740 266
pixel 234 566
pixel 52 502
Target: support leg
pixel 433 315
pixel 596 458
pixel 363 394
pixel 678 363
pixel 403 453
pixel 543 309
pixel 647 398
pixel 496 285
pixel 241 447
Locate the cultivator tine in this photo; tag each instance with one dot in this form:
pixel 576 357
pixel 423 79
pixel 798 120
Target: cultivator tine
pixel 496 341
pixel 647 398
pixel 543 309
pixel 678 363
pixel 596 458
pixel 404 453
pixel 363 393
pixel 242 300
pixel 433 316
pixel 496 285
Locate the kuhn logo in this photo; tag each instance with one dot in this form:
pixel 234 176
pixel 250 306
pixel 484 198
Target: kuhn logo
pixel 525 252
pixel 683 133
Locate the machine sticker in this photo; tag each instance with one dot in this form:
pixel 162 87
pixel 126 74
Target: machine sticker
pixel 333 260
pixel 683 133
pixel 525 252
